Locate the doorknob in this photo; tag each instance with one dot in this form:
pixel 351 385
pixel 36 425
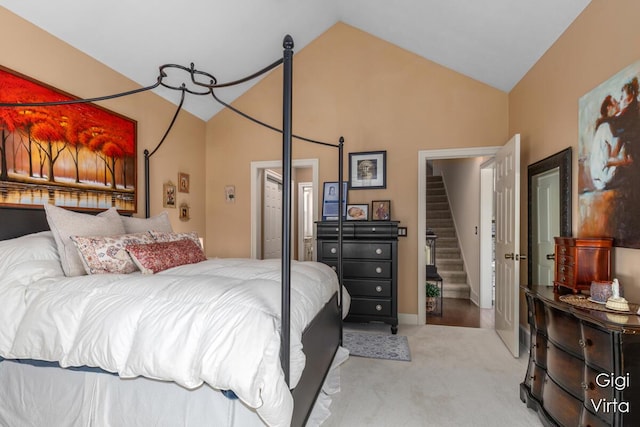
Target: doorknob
pixel 508 256
pixel 551 256
pixel 521 257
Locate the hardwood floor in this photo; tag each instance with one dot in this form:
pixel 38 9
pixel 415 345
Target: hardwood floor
pixel 462 312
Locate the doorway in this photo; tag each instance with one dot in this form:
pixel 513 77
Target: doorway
pixel 303 170
pixel 485 285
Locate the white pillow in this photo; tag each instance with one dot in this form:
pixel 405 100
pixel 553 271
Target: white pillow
pixel 29 258
pixel 64 224
pixel 159 222
pixel 108 254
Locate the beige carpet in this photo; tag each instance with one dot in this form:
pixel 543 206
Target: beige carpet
pixel 457 377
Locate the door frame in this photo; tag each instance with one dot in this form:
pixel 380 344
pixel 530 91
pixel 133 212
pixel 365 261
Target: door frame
pixel 423 156
pixel 257 167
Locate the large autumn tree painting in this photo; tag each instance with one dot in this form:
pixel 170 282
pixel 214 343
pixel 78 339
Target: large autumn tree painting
pixel 75 155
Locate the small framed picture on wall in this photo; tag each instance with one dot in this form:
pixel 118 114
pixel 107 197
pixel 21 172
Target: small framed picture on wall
pixel 169 195
pixel 183 182
pixel 381 210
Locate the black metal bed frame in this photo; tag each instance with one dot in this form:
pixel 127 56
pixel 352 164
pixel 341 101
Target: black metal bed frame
pixel 320 351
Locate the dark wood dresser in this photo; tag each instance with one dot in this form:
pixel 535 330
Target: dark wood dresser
pixel 584 365
pixel 370 264
pixel 579 261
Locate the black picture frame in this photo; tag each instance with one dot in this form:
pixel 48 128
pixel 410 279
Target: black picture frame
pixel 358 212
pixel 368 170
pixel 330 201
pixel 381 210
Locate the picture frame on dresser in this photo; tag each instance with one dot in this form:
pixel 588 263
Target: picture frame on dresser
pixel 330 196
pixel 357 212
pixel 381 210
pixel 368 170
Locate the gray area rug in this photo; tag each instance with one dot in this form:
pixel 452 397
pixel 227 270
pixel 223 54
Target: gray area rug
pixel 377 346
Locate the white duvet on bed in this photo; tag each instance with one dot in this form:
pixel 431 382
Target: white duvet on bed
pixel 216 322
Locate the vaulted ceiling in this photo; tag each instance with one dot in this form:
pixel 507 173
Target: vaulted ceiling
pixel 493 41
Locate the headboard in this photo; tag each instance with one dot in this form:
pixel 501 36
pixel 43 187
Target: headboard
pixel 16 222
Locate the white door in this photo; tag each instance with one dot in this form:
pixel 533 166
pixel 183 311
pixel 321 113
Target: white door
pixel 546 194
pixel 272 216
pixel 507 200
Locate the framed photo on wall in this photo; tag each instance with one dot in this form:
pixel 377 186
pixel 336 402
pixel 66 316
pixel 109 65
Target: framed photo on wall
pixel 357 212
pixel 381 210
pixel 169 195
pixel 183 182
pixel 368 170
pixel 330 206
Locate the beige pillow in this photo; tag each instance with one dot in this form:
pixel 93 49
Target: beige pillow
pixel 163 237
pixel 159 222
pixel 65 223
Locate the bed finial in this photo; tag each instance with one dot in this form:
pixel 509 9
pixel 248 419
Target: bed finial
pixel 287 42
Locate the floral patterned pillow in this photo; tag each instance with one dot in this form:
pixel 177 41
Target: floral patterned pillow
pixel 108 254
pixel 154 257
pixel 161 236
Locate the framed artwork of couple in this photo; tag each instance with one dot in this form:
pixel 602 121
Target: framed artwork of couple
pixel 609 159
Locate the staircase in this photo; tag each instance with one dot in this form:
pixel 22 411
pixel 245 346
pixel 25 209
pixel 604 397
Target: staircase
pixel 448 256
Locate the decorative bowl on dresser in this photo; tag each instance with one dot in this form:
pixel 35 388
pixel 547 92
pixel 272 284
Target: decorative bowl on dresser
pixel 579 261
pixel 584 364
pixel 370 266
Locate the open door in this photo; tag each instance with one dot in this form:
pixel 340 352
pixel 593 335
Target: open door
pixel 507 198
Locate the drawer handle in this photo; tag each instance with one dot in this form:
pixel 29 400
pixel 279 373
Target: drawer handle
pixel 532 377
pixel 378 270
pixel 563 249
pixel 584 343
pixel 378 307
pixel 378 288
pixel 563 268
pixel 334 250
pixel 373 229
pixel 587 386
pixel 378 251
pixel 337 229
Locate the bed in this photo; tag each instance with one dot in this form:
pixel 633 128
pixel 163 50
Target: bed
pixel 209 342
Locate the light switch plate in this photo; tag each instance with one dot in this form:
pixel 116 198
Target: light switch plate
pixel 402 231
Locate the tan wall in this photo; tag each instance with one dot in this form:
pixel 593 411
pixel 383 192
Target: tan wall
pixel 379 97
pixel 35 53
pixel 543 107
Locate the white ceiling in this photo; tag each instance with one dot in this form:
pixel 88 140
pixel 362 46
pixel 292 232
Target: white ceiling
pixel 493 41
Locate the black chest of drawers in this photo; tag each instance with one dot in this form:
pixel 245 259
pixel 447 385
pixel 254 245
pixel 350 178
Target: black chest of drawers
pixel 370 267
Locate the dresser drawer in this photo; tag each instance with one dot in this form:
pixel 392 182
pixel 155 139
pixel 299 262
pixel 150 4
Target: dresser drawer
pixel 598 347
pixel 539 349
pixel 594 393
pixel 564 408
pixel 566 260
pixel 374 250
pixel 330 230
pixel 367 269
pixel 589 420
pixel 370 307
pixel 378 230
pixel 566 370
pixel 369 288
pixel 535 380
pixel 563 329
pixel 566 248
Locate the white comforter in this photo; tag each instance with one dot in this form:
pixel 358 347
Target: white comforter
pixel 215 322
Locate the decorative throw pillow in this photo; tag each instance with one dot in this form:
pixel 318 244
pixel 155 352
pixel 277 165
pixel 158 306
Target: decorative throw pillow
pixel 108 254
pixel 154 257
pixel 160 236
pixel 65 223
pixel 159 222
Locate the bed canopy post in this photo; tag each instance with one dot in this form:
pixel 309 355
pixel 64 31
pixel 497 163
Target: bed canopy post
pixel 340 219
pixel 147 203
pixel 286 204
